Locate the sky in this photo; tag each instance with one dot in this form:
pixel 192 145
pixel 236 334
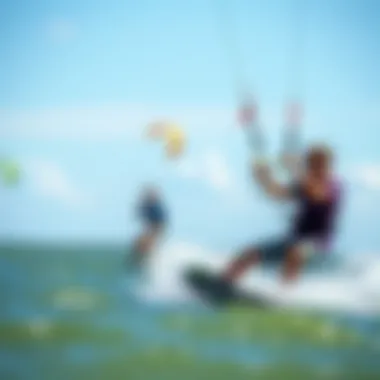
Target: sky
pixel 80 81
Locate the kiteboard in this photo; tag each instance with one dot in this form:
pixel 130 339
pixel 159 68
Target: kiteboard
pixel 217 291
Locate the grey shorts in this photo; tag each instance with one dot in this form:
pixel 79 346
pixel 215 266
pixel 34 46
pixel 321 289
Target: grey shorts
pixel 275 251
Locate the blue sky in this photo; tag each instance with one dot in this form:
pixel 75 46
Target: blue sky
pixel 80 81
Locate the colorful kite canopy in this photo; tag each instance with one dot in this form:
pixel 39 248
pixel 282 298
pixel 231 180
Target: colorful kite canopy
pixel 10 172
pixel 171 135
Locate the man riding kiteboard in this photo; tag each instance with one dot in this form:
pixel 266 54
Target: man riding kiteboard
pixel 316 194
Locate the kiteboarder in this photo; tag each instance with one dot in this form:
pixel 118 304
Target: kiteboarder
pixel 313 189
pixel 316 195
pixel 152 213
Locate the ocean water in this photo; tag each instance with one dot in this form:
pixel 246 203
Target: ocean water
pixel 76 312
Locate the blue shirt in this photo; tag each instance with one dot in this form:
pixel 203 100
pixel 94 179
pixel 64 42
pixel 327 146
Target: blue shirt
pixel 316 219
pixel 152 212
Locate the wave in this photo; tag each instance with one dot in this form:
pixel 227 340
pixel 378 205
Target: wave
pixel 349 283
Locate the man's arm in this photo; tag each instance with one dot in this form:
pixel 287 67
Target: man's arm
pixel 291 163
pixel 263 175
pixel 290 158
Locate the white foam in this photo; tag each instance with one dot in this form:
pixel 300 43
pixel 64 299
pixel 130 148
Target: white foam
pixel 342 290
pixel 164 276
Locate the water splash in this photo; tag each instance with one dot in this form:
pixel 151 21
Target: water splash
pixel 341 289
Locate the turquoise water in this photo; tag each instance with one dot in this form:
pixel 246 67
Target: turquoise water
pixel 66 314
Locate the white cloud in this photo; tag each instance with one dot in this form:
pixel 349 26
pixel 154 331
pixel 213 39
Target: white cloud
pixel 49 180
pixel 211 167
pixel 367 175
pixel 127 120
pixel 217 172
pixel 111 122
pixel 106 122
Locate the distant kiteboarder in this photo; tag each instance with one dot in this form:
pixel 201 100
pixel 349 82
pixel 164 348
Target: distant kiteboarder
pixel 152 212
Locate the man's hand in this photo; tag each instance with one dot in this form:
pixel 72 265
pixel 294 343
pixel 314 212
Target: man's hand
pixel 263 175
pixel 291 163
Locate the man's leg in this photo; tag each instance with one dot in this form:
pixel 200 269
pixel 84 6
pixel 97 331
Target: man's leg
pixel 141 248
pixel 293 263
pixel 269 252
pixel 147 240
pixel 247 259
pixel 141 244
